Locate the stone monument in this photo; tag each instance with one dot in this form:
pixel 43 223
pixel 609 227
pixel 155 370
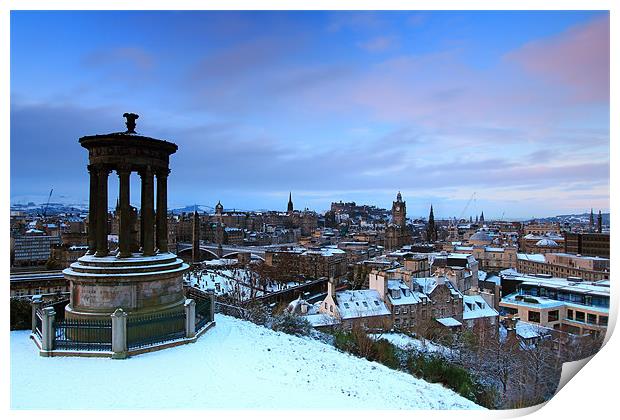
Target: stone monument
pixel 141 283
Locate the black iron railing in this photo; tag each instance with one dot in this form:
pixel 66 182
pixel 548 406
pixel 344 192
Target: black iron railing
pixel 203 313
pixel 95 335
pixel 147 330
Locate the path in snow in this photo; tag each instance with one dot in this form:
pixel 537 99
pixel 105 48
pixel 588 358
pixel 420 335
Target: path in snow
pixel 236 365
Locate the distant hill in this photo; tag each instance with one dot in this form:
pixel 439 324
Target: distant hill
pixel 575 218
pixel 190 209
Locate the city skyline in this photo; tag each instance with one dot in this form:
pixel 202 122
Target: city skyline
pixel 329 105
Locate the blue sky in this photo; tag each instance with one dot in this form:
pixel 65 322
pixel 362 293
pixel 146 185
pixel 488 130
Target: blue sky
pixel 513 106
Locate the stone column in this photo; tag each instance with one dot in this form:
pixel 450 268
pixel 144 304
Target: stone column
pixel 142 195
pixel 190 318
pixel 148 247
pixel 124 237
pixel 102 212
pixel 119 334
pixel 35 304
pixel 92 211
pixel 48 329
pixel 162 210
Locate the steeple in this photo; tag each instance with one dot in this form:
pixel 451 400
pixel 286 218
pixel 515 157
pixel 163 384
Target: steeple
pixel 482 217
pixel 591 220
pixel 431 230
pixel 399 197
pixel 599 227
pixel 289 208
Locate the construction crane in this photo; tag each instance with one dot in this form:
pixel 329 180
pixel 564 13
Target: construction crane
pixel 48 203
pixel 473 197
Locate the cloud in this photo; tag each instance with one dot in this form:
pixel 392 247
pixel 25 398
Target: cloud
pixel 378 44
pixel 577 58
pixel 121 57
pixel 358 21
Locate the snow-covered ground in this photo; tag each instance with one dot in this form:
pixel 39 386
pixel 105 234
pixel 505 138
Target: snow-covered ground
pixel 235 365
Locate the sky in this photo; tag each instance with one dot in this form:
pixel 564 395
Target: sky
pixel 504 112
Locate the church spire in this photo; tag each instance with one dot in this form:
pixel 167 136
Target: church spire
pixel 289 208
pixel 599 226
pixel 431 229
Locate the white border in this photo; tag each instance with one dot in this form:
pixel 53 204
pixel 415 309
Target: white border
pixel 591 394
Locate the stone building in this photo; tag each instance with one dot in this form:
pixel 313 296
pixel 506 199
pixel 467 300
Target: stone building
pixel 541 244
pixel 397 234
pixel 461 269
pixel 47 284
pixel 564 265
pixel 311 263
pixel 32 249
pixel 589 244
pixel 491 258
pixel 428 304
pixel 426 299
pixel 364 308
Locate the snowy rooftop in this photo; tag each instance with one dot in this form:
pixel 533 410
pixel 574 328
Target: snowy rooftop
pixel 526 330
pixel 360 303
pixel 531 257
pixel 236 365
pixel 449 322
pixel 476 307
pixel 401 294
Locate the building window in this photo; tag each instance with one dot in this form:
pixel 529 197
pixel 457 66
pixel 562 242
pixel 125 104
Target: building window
pixel 569 315
pixel 592 319
pixel 553 316
pixel 602 320
pixel 580 316
pixel 533 316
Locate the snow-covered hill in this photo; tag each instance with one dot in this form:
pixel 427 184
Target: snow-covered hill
pixel 236 365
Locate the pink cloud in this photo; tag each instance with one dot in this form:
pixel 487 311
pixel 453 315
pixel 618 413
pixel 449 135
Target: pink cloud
pixel 577 58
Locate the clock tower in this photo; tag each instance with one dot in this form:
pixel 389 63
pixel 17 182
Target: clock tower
pixel 399 211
